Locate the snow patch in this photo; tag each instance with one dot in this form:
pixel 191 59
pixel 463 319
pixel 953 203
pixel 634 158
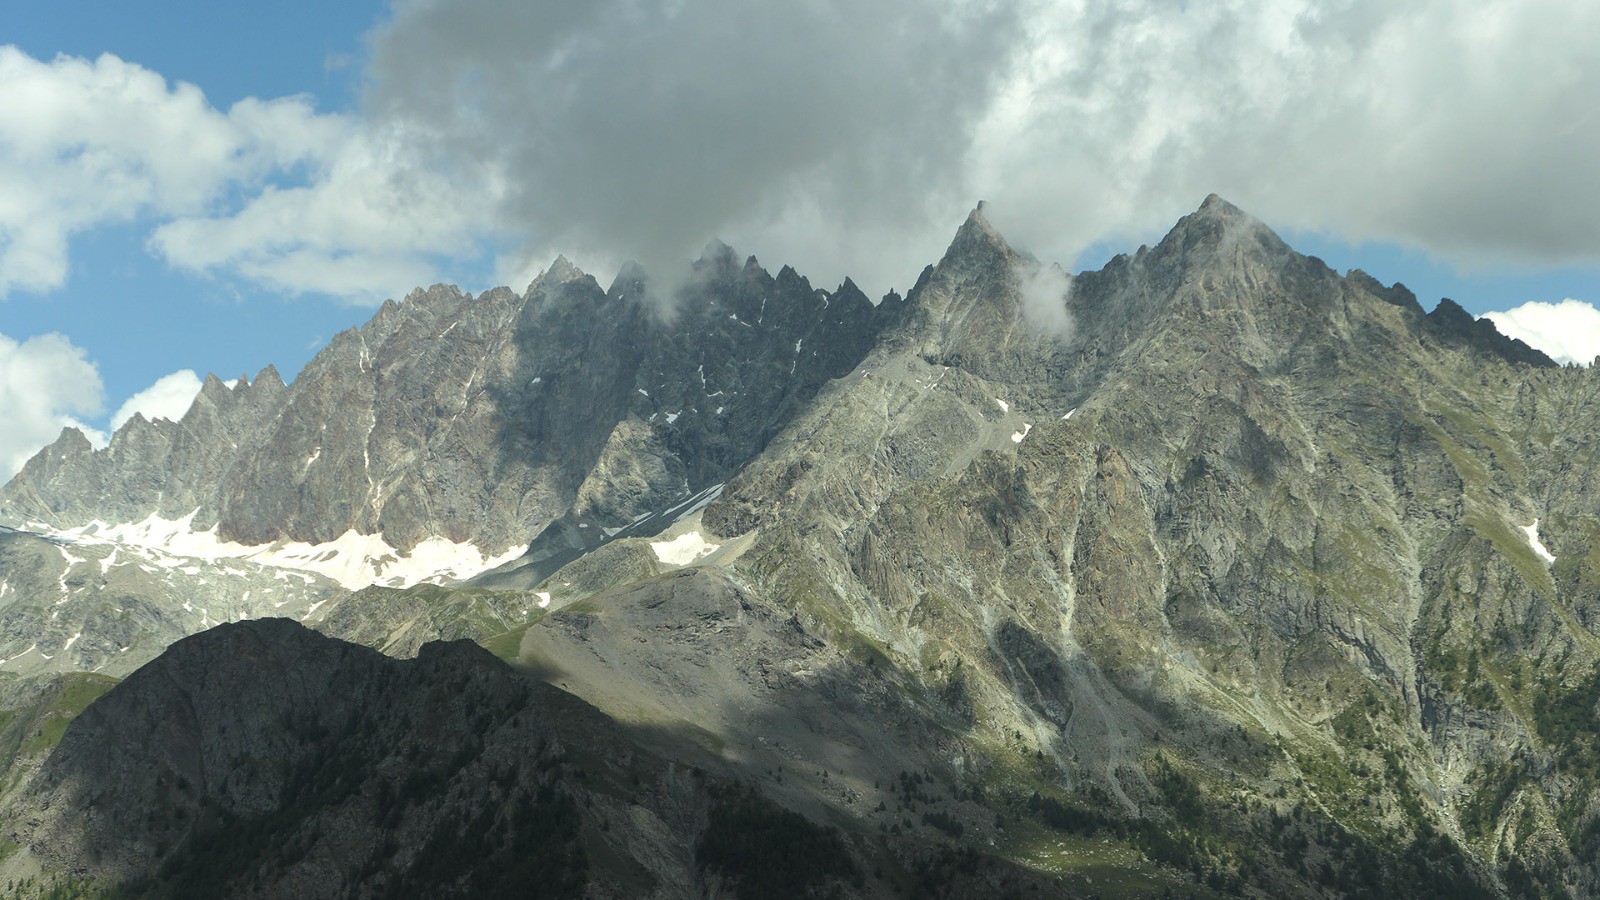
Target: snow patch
pixel 31 648
pixel 1004 406
pixel 1069 414
pixel 1532 531
pixel 1017 436
pixel 683 549
pixel 694 504
pixel 544 598
pixel 353 560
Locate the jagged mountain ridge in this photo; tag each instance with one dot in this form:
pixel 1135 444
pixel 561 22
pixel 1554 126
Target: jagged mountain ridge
pixel 439 439
pixel 1258 557
pixel 476 419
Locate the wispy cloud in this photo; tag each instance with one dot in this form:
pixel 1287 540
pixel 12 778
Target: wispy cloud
pixel 1043 292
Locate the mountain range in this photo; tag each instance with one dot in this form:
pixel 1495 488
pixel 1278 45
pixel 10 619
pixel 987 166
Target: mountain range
pixel 1213 572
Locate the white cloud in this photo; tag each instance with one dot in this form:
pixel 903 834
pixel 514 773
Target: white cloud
pixel 269 190
pixel 169 398
pixel 855 137
pixel 1435 124
pixel 852 141
pixel 1569 331
pixel 83 143
pixel 369 225
pixel 46 383
pixel 1042 292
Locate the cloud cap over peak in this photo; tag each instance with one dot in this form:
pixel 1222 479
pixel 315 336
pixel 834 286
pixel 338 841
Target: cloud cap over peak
pixel 637 130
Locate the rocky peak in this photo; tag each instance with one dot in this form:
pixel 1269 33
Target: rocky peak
pixel 848 292
pixel 1220 231
pixel 977 242
pixel 1455 326
pixel 214 391
pixel 560 272
pixel 715 251
pixel 72 441
pixel 269 380
pixel 630 280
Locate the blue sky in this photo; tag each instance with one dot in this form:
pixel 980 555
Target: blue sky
pixel 137 318
pixel 343 153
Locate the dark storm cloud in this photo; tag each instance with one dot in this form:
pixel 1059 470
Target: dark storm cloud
pixel 851 138
pixel 641 128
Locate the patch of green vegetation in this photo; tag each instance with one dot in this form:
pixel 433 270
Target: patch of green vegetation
pixel 1461 671
pixel 1565 717
pixel 588 606
pixel 54 887
pixel 72 696
pixel 797 588
pixel 1180 791
pixel 1338 785
pixel 529 835
pixel 1513 545
pixel 1105 861
pixel 1364 573
pixel 507 645
pixel 1501 451
pixel 1481 813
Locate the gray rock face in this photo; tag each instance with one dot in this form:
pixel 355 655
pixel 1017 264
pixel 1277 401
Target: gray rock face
pixel 488 420
pixel 81 607
pixel 477 419
pixel 162 467
pixel 1254 553
pixel 1250 497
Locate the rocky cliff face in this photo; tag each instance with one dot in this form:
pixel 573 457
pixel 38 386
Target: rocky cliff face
pixel 477 420
pixel 1259 575
pixel 437 440
pixel 1259 522
pixel 75 606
